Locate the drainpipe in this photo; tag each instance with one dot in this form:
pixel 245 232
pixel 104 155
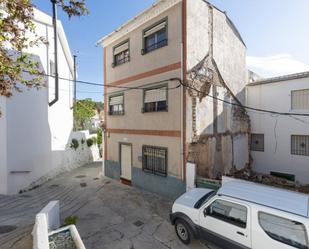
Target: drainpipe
pixel 55 53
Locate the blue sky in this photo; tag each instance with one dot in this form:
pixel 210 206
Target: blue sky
pixel 276 33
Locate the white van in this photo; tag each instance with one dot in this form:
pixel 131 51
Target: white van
pixel 243 215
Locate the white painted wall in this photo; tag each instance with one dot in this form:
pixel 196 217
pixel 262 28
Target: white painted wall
pixel 38 136
pixel 277 130
pixel 3 152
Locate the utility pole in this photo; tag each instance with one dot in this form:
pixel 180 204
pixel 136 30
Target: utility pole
pixel 54 4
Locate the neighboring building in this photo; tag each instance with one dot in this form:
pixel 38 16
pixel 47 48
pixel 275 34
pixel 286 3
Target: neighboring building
pixel 34 135
pixel 97 120
pixel 152 132
pixel 280 143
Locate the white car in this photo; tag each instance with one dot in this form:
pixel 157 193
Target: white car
pixel 243 215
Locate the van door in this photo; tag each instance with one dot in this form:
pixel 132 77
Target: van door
pixel 226 224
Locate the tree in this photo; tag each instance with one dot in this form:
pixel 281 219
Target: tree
pixel 84 110
pixel 15 22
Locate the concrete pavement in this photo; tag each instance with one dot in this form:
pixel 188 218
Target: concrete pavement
pixel 110 215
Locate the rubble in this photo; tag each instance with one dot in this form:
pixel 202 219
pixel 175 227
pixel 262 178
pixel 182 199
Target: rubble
pixel 249 175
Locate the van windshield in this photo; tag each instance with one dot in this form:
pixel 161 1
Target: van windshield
pixel 204 199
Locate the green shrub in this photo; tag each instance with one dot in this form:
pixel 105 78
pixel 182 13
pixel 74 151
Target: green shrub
pixel 89 142
pixel 82 141
pixel 94 139
pixel 74 144
pixel 70 220
pixel 99 135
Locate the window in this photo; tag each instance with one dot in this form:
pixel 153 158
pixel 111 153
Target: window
pixel 155 100
pixel 300 99
pixel 229 212
pixel 300 145
pixel 155 160
pixel 287 231
pixel 52 68
pixel 257 142
pixel 121 54
pixel 155 37
pixel 116 105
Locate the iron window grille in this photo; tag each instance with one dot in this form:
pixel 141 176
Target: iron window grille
pixel 155 37
pixel 121 53
pixel 257 142
pixel 155 100
pixel 155 160
pixel 300 99
pixel 300 145
pixel 116 106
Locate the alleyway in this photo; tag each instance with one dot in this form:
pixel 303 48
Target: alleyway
pixel 110 215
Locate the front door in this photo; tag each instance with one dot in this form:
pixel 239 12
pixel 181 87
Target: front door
pixel 126 161
pixel 226 224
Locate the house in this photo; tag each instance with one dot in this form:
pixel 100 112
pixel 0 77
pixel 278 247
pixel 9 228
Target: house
pixel 161 65
pixel 280 143
pixel 35 133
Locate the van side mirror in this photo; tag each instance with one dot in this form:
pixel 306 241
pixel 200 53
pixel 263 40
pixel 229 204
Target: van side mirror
pixel 205 212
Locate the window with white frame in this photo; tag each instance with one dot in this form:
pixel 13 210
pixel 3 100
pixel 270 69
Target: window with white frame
pixel 155 99
pixel 300 99
pixel 155 36
pixel 116 105
pixel 257 142
pixel 121 54
pixel 300 145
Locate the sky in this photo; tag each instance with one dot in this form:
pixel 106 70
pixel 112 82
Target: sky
pixel 276 33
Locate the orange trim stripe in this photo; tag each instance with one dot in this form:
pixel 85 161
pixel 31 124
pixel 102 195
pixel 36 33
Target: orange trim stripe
pixel 162 133
pixel 147 74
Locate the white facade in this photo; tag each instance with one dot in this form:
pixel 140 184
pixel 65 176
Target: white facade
pixel 276 95
pixel 35 136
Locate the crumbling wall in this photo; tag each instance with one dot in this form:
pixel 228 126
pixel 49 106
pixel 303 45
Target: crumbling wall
pixel 218 123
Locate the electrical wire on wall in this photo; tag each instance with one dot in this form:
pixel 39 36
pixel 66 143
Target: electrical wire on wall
pixel 127 88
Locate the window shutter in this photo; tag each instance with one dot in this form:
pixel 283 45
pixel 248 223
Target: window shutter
pixel 118 100
pixel 155 95
pixel 300 99
pixel 121 48
pixel 155 29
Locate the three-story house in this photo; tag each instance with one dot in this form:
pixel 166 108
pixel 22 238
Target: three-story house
pixel 155 67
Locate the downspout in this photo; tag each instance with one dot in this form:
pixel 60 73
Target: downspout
pixel 55 53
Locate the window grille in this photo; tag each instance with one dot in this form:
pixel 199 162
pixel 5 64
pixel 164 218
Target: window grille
pixel 121 54
pixel 155 37
pixel 257 142
pixel 155 100
pixel 300 99
pixel 116 106
pixel 155 160
pixel 300 145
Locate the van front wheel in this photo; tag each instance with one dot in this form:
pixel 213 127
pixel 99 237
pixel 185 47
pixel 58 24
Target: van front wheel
pixel 183 231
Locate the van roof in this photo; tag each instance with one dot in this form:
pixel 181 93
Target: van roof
pixel 281 199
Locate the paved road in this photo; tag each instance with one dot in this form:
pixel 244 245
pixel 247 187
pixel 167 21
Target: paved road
pixel 110 215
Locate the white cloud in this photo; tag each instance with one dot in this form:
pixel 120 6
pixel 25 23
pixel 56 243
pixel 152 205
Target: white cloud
pixel 276 65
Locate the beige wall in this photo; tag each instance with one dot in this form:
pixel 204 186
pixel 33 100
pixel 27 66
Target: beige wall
pixel 143 63
pixel 134 118
pixel 137 141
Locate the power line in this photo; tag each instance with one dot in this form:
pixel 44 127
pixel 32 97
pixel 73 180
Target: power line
pixel 188 87
pixel 243 106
